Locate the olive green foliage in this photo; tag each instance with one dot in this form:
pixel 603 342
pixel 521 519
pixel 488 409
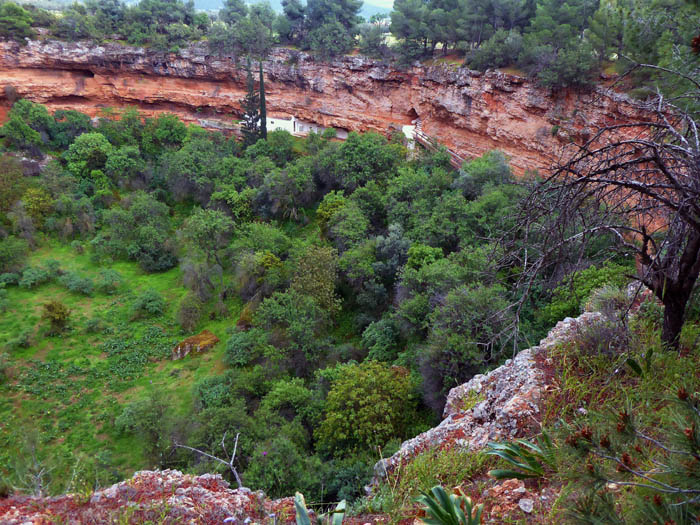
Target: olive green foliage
pixel 293 322
pixel 149 420
pixel 137 229
pixel 368 405
pixel 315 276
pixel 466 330
pixel 57 314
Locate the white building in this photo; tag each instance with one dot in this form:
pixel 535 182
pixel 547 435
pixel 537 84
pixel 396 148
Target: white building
pixel 299 127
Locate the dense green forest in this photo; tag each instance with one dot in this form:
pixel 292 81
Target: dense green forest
pixel 559 43
pixel 351 284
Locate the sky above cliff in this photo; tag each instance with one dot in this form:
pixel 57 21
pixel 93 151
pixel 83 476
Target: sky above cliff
pixel 368 9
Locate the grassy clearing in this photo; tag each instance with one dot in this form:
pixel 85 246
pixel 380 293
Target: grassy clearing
pixel 70 388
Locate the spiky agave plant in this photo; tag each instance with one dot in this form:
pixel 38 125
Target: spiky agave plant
pixel 530 459
pixel 452 509
pixel 335 517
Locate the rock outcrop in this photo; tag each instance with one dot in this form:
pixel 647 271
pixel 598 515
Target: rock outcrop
pixel 470 112
pixel 166 496
pixel 199 343
pixel 500 405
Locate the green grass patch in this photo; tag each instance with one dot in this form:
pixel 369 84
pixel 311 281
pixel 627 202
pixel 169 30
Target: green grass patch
pixel 71 387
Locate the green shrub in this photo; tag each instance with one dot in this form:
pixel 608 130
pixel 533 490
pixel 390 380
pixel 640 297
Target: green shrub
pixel 151 420
pixel 53 268
pixel 94 325
pixel 347 477
pixel 147 304
pixel 279 468
pixel 189 312
pixel 242 347
pixel 381 339
pixel 368 405
pixel 7 279
pixel 212 392
pixel 57 314
pixel 22 340
pixel 78 247
pixel 13 252
pixel 32 277
pixel 569 297
pixel 75 283
pixel 4 368
pixel 109 281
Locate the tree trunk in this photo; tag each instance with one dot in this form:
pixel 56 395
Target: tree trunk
pixel 674 315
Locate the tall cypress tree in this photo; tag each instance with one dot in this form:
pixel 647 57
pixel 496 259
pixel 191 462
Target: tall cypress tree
pixel 263 109
pixel 250 126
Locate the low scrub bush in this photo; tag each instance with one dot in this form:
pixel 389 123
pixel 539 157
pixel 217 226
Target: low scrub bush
pixel 147 304
pixel 77 284
pixel 57 314
pixel 78 247
pixel 8 279
pixel 242 347
pixel 22 340
pixel 32 277
pixel 109 281
pixel 4 367
pixel 607 338
pixel 94 325
pixel 189 312
pixel 611 301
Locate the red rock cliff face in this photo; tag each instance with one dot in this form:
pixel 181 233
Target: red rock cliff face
pixel 470 112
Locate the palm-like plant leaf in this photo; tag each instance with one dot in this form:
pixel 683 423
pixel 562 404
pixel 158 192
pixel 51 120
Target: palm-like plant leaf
pixel 446 509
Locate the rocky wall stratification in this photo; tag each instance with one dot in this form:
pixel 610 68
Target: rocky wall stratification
pixel 470 112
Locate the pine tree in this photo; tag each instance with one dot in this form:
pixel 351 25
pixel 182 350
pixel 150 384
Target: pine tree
pixel 250 126
pixel 263 109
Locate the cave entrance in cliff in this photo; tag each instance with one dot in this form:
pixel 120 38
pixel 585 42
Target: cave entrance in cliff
pixel 413 115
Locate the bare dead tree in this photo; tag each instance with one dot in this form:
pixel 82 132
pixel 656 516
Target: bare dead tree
pixel 230 459
pixel 638 182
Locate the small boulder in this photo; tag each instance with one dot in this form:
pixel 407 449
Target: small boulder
pixel 198 343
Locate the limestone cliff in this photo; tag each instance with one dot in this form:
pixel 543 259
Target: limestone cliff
pixel 468 111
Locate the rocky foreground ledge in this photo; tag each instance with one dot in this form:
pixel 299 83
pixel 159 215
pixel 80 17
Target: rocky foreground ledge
pixel 167 496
